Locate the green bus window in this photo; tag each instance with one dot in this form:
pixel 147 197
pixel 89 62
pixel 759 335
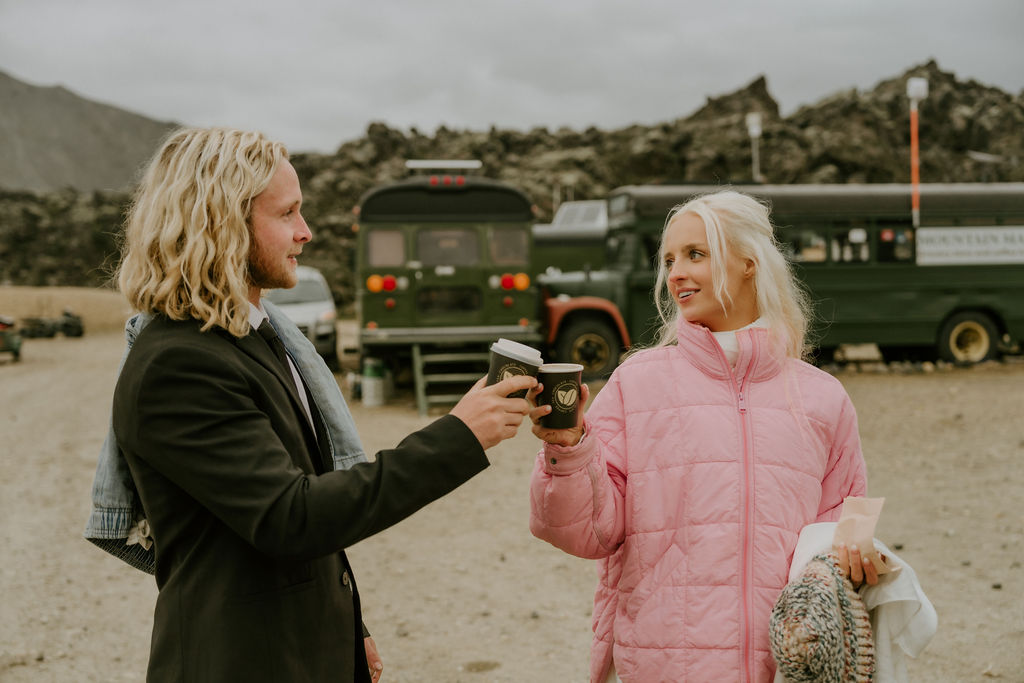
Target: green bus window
pixel 895 245
pixel 850 246
pixel 448 247
pixel 804 246
pixel 510 247
pixel 385 248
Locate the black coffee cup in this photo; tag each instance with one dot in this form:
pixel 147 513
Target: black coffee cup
pixel 509 358
pixel 562 392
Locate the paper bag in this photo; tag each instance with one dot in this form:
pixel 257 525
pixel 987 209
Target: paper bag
pixel 856 527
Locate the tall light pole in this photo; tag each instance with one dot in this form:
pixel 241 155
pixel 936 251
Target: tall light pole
pixel 754 129
pixel 917 90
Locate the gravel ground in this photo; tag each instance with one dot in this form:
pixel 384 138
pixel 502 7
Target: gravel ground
pixel 461 591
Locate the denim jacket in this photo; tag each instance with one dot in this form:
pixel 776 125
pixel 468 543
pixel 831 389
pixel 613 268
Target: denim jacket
pixel 117 523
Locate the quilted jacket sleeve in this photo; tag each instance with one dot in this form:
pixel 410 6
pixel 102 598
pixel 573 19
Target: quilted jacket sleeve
pixel 577 493
pixel 846 474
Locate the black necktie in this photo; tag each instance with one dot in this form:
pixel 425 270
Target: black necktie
pixel 269 334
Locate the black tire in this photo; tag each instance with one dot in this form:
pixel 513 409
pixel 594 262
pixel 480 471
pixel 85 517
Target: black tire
pixel 591 342
pixel 967 338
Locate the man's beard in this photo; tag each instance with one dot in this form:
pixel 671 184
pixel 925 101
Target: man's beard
pixel 264 275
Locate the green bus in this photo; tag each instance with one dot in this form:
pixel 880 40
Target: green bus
pixel 443 269
pixel 952 286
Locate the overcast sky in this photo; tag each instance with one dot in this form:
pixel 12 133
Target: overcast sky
pixel 315 74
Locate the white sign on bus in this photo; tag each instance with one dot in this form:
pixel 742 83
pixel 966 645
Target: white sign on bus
pixel 982 245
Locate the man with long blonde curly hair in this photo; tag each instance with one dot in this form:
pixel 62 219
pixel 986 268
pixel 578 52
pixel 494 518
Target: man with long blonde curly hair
pixel 227 447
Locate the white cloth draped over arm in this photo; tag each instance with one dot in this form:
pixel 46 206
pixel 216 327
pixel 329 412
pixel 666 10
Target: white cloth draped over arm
pixel 903 620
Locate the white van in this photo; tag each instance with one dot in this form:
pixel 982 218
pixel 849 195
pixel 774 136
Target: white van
pixel 310 306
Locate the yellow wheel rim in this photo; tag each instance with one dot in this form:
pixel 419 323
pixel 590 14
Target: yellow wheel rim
pixel 969 342
pixel 591 351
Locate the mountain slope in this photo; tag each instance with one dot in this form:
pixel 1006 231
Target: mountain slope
pixel 51 138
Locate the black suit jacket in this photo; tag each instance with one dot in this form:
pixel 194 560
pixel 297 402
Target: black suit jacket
pixel 253 583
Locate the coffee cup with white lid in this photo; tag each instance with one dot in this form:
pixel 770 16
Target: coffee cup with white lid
pixel 510 358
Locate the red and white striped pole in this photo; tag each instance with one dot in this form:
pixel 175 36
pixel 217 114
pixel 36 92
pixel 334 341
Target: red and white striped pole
pixel 917 90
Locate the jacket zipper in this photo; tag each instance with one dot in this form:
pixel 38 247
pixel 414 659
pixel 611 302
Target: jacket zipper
pixel 747 570
pixel 747 647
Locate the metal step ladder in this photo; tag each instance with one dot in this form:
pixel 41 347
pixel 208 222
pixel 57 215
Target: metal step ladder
pixel 448 380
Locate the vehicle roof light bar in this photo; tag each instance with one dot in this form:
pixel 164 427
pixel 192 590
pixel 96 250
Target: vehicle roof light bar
pixel 443 164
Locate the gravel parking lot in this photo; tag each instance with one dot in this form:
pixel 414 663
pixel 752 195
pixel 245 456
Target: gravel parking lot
pixel 461 591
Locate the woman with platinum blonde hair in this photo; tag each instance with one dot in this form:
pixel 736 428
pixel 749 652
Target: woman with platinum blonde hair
pixel 693 472
pixel 187 236
pixel 781 302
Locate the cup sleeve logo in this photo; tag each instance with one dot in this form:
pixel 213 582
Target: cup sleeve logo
pixel 565 396
pixel 510 370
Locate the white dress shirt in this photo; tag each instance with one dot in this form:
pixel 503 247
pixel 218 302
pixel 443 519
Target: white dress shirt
pixel 256 317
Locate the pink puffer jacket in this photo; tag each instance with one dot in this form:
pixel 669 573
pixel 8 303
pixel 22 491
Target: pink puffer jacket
pixel 691 487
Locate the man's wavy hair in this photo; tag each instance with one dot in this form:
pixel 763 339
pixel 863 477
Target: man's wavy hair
pixel 738 223
pixel 185 252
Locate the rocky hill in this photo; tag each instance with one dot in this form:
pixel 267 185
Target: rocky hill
pixel 969 132
pixel 52 139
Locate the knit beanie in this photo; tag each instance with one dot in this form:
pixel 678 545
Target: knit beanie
pixel 820 630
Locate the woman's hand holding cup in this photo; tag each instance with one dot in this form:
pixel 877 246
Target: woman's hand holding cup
pixel 541 415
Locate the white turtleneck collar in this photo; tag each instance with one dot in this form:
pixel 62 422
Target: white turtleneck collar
pixel 727 340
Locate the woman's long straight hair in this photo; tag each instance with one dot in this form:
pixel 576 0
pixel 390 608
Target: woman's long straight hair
pixel 737 223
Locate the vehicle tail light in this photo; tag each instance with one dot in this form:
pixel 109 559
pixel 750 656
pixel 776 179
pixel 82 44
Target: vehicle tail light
pixel 508 281
pixel 447 180
pixel 521 281
pixel 507 302
pixel 389 303
pixel 386 283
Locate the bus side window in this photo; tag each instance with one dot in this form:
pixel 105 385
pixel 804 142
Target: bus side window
pixel 804 246
pixel 895 245
pixel 851 246
pixel 385 248
pixel 509 247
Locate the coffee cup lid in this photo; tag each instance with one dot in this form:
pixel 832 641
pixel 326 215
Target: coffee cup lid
pixel 561 367
pixel 522 352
